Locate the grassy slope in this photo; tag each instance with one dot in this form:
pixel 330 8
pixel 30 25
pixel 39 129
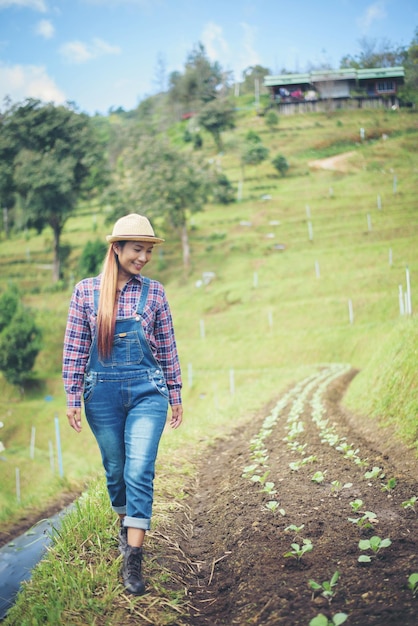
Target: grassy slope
pixel 268 318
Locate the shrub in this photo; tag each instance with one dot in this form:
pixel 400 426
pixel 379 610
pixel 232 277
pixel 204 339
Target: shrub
pixel 281 164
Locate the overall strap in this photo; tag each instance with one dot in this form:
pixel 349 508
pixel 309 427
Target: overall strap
pixel 96 295
pixel 144 294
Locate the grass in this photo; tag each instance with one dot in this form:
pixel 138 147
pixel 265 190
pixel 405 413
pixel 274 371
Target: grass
pixel 269 321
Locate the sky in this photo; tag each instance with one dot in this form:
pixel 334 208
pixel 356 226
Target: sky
pixel 104 54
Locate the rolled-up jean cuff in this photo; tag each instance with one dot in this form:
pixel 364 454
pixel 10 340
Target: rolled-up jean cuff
pixel 120 510
pixel 141 523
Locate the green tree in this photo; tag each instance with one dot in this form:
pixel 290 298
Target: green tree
pixel 281 164
pixel 252 74
pixel 254 153
pixel 92 257
pixel 200 81
pixel 375 53
pixel 409 93
pixel 215 117
pixel 9 302
pixel 56 160
pixel 162 182
pixel 272 120
pixel 223 191
pixel 20 342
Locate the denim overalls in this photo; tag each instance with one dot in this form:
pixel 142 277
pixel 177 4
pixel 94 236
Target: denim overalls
pixel 126 402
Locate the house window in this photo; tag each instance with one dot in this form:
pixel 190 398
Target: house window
pixel 385 86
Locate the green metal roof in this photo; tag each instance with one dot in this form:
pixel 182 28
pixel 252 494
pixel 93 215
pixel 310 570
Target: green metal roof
pixel 325 75
pixel 381 72
pixel 287 79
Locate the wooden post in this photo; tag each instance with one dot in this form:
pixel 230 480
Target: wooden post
pixel 32 443
pixel 202 329
pixel 408 292
pixel 401 301
pixel 350 311
pixel 310 231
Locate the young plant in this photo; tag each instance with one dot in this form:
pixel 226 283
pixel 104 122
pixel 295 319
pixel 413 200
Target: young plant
pixel 249 470
pixel 391 484
pixel 376 472
pixel 365 521
pixel 273 506
pixel 375 544
pixel 299 550
pixel 269 488
pixel 318 477
pixel 410 504
pixel 356 505
pixel 413 583
pixel 295 529
pixel 326 589
pixel 336 486
pixel 256 478
pixel 322 620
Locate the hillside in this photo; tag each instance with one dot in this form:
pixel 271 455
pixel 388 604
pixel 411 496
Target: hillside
pixel 306 271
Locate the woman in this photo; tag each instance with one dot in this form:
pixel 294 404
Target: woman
pixel 120 354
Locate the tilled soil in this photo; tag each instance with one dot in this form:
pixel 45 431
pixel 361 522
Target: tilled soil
pixel 233 565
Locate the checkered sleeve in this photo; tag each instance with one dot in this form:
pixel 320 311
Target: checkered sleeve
pixel 77 341
pixel 165 341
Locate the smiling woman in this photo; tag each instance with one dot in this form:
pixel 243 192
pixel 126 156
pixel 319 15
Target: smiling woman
pixel 120 352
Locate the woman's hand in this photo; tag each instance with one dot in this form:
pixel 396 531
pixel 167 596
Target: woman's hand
pixel 74 418
pixel 176 415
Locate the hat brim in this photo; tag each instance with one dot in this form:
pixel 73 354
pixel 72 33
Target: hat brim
pixel 145 238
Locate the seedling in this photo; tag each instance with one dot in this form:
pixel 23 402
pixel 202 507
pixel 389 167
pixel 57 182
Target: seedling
pixel 260 479
pixel 413 583
pixel 336 486
pixel 273 506
pixel 391 484
pixel 269 488
pixel 375 544
pixel 356 504
pixel 326 588
pixel 260 455
pixel 322 620
pixel 376 472
pixel 295 529
pixel 299 549
pixel 366 521
pixel 249 471
pixel 410 504
pixel 318 477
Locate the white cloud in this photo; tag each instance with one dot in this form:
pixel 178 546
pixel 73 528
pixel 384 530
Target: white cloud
pixel 80 52
pixel 28 81
pixel 249 54
pixel 45 29
pixel 37 5
pixel 213 41
pixel 373 13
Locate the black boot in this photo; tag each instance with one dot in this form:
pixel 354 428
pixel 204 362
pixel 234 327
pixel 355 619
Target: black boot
pixel 131 571
pixel 123 538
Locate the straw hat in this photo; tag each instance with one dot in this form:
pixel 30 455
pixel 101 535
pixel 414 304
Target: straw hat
pixel 133 227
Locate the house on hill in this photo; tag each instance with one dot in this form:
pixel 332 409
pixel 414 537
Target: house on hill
pixel 336 89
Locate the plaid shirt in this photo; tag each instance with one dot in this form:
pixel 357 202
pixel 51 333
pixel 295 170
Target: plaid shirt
pixel 81 325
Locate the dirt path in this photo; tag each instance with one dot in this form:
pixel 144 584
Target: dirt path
pixel 339 163
pixel 233 564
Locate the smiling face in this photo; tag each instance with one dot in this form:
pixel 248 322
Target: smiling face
pixel 132 256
